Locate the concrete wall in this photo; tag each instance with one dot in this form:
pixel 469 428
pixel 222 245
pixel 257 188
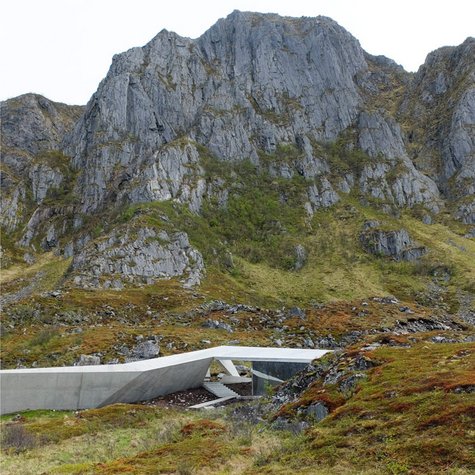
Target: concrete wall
pixel 82 390
pixel 278 372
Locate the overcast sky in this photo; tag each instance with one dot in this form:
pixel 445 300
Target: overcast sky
pixel 63 48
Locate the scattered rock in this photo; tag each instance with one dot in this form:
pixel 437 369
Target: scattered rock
pixel 443 339
pixel 348 384
pixel 29 258
pixel 370 224
pixel 317 411
pixel 415 325
pixel 467 389
pixel 470 234
pixel 296 427
pixel 300 256
pixel 218 325
pixel 362 363
pixel 308 343
pixel 88 360
pixel 144 351
pixel 296 312
pixel 327 342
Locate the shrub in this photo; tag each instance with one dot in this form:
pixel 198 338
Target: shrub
pixel 16 438
pixel 44 336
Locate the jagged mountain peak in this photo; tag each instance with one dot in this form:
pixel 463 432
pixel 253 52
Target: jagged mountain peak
pixel 248 84
pixel 454 53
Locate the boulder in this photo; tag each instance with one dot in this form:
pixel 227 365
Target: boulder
pixel 317 411
pixel 88 360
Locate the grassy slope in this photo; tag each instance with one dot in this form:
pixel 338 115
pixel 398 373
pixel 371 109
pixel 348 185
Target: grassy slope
pixel 337 267
pixel 337 270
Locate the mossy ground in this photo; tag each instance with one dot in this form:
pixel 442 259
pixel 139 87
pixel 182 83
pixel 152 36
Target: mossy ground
pixel 410 416
pixel 135 439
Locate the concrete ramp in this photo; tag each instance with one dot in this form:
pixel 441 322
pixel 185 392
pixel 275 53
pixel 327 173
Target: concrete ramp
pixel 227 379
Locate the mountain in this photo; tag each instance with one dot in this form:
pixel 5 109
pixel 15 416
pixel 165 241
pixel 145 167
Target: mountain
pixel 192 151
pixel 267 184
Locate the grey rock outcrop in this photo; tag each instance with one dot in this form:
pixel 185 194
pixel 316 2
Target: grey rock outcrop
pixel 440 106
pixel 249 84
pixel 42 179
pixel 300 256
pixel 218 325
pixel 30 125
pixel 396 244
pixel 317 411
pixel 249 81
pixel 88 360
pixel 380 135
pixel 144 351
pixel 137 256
pixel 170 174
pixel 321 196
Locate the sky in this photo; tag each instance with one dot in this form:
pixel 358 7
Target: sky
pixel 63 48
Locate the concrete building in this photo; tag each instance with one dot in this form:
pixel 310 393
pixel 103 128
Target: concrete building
pixel 82 387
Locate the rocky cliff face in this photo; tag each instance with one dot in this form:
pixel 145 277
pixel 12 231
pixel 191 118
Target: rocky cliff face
pixel 439 109
pixel 32 129
pixel 297 98
pixel 249 84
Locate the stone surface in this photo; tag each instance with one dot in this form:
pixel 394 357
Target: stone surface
pixel 30 125
pixel 137 255
pixel 300 256
pixel 216 324
pixel 317 411
pixel 42 179
pixel 297 312
pixel 144 350
pixel 227 90
pixel 88 360
pixel 250 83
pixel 440 102
pixel 396 244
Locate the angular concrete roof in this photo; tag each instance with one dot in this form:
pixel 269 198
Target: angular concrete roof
pixel 80 387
